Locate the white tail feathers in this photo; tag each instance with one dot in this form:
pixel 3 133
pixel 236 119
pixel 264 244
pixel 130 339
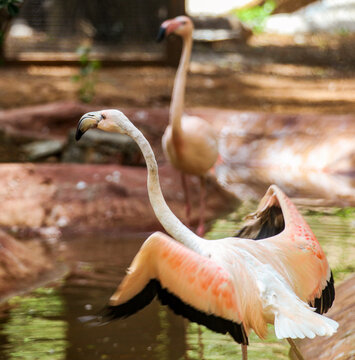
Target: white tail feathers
pixel 303 322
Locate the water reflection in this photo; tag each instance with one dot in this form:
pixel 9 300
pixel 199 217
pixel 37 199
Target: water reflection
pixel 153 333
pixel 34 329
pixel 44 325
pixel 163 339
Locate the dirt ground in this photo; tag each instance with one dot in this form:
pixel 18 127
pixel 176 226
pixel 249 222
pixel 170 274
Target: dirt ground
pixel 283 74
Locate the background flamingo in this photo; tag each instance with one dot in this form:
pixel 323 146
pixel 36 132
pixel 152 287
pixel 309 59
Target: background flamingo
pixel 230 285
pixel 189 142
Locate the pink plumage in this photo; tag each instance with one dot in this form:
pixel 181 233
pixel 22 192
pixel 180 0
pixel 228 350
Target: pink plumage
pixel 274 271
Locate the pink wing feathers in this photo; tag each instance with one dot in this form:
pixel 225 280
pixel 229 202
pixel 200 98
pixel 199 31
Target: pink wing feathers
pixel 297 254
pixel 204 291
pixel 190 284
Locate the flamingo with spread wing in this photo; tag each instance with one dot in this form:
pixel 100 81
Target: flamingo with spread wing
pixel 231 285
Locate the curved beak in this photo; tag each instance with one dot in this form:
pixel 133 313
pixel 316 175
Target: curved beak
pixel 87 121
pixel 161 34
pixel 166 28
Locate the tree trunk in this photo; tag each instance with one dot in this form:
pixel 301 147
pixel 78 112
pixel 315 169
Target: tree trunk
pixel 4 26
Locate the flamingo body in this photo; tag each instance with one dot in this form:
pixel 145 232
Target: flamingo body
pixel 242 283
pixel 231 285
pixel 189 143
pixel 194 151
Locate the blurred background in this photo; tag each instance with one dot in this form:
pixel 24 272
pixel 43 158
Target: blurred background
pixel 275 78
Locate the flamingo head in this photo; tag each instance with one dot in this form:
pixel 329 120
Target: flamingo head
pixel 180 25
pixel 108 120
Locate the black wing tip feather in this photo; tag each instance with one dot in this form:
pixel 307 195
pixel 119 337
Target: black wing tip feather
pixel 270 223
pixel 138 302
pixel 154 288
pixel 111 312
pixel 325 301
pixel 211 321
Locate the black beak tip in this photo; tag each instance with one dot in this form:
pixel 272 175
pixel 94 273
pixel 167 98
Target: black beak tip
pixel 78 134
pixel 161 34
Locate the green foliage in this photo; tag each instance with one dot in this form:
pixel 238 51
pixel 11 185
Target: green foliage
pixel 87 76
pixel 255 17
pixel 12 6
pixel 343 32
pixel 347 212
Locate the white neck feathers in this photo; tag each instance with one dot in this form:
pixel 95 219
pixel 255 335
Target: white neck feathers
pixel 169 221
pixel 178 96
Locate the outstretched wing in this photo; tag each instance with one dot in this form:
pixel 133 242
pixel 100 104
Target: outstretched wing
pixel 278 221
pixel 191 285
pixel 265 223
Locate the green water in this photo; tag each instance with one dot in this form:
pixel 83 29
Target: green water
pixel 34 329
pixel 44 325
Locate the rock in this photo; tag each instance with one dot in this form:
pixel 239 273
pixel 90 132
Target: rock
pixel 52 122
pixel 20 29
pixel 36 133
pixel 85 198
pixel 21 263
pixel 302 153
pixel 17 146
pixel 213 22
pixel 11 145
pixel 299 152
pixel 341 344
pixel 100 147
pixel 332 16
pixel 219 30
pixel 40 150
pixel 43 121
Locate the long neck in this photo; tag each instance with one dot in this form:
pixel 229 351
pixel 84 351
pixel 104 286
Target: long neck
pixel 170 222
pixel 177 101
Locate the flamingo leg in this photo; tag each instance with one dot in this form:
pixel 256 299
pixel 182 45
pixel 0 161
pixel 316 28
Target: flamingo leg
pixel 295 349
pixel 244 352
pixel 187 198
pixel 201 223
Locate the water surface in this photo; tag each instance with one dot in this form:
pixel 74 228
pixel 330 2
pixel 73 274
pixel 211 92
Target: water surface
pixel 44 325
